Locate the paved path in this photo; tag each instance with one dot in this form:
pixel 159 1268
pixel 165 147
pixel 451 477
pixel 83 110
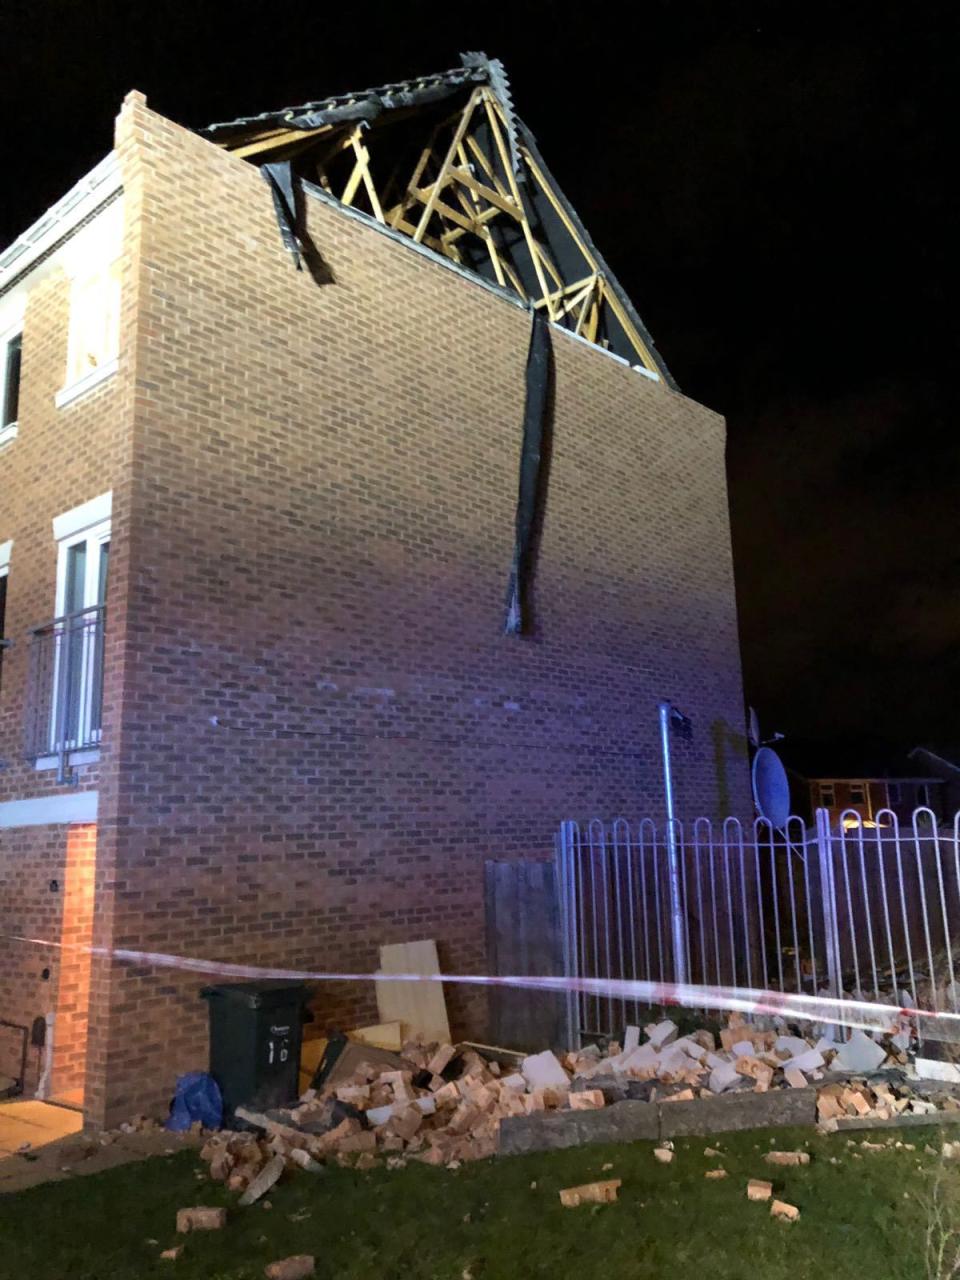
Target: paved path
pixel 59 1149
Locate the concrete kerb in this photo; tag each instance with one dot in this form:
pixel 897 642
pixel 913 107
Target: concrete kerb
pixel 934 1120
pixel 631 1121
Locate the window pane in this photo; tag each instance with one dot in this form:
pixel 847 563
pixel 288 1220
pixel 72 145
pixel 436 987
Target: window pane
pixel 102 574
pixel 3 612
pixel 11 381
pixel 76 578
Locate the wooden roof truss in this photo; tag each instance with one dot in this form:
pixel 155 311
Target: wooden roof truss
pixel 473 188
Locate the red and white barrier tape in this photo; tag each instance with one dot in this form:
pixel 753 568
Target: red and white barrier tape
pixel 866 1015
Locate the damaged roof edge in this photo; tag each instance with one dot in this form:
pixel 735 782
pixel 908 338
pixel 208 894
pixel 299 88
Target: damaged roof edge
pixel 83 199
pixel 531 145
pixel 365 105
pixel 506 295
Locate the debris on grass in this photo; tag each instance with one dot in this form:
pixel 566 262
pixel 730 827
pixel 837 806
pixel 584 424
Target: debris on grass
pixel 663 1154
pixel 201 1218
pixel 785 1212
pixel 297 1267
pixel 442 1104
pixel 787 1157
pixel 759 1190
pixel 265 1179
pixel 590 1193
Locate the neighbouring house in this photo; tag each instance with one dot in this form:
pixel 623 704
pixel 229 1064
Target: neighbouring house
pixel 850 783
pixel 285 657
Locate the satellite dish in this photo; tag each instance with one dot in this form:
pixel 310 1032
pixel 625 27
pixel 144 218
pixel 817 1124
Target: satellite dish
pixel 771 790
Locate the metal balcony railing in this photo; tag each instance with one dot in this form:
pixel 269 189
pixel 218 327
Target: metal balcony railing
pixel 65 692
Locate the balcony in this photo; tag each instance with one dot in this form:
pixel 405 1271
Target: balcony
pixel 65 691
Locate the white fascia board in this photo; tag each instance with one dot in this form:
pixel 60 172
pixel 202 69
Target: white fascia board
pixel 6 549
pixel 102 182
pixel 88 514
pixel 49 811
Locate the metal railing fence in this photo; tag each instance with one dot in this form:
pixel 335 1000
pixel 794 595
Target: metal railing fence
pixel 867 909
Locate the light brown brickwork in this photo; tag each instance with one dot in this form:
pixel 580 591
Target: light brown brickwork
pixel 316 731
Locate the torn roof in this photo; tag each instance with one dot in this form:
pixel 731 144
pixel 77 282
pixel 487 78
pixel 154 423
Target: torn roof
pixel 445 160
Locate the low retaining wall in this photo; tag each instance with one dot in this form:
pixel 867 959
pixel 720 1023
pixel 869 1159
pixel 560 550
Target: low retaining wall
pixel 630 1121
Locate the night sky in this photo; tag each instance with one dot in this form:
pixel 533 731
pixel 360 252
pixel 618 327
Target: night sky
pixel 768 180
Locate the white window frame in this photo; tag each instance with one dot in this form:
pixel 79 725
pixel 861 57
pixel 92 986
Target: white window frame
pixel 6 548
pixel 88 524
pixel 862 788
pixel 824 788
pixel 8 432
pixel 93 539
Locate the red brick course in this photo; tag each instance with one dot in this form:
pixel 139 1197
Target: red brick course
pixel 316 730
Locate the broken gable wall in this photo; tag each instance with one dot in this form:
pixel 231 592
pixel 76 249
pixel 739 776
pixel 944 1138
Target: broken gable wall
pixel 324 730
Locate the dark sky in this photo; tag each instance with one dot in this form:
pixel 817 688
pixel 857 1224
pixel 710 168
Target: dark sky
pixel 768 180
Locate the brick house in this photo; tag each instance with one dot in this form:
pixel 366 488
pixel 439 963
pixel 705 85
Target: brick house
pixel 287 726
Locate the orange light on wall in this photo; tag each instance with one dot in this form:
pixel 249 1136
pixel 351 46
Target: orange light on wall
pixel 73 994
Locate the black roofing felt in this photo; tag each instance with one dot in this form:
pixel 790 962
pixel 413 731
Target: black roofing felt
pixel 423 92
pixel 367 104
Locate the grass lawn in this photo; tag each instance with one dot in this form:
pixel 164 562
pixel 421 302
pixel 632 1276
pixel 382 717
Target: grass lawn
pixel 861 1217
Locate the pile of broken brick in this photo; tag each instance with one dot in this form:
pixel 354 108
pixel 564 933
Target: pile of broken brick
pixel 442 1104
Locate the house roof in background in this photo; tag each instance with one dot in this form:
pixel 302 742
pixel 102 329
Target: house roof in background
pixel 948 759
pixel 858 762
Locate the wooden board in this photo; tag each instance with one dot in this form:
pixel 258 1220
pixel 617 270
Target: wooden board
pixel 420 1006
pixel 385 1035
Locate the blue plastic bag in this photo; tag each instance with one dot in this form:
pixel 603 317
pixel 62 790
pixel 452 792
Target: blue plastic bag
pixel 197 1097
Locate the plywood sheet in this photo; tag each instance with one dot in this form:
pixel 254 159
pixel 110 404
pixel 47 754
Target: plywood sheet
pixel 420 1006
pixel 385 1035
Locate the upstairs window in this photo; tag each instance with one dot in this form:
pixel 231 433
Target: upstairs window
pixel 828 796
pixel 10 348
pixel 858 793
pixel 94 338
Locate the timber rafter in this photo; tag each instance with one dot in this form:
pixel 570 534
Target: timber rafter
pixel 462 176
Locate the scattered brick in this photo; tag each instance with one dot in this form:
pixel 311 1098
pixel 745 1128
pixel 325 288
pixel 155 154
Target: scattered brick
pixel 201 1218
pixel 298 1267
pixel 759 1190
pixel 590 1193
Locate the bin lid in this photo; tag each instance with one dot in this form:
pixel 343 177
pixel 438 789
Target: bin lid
pixel 259 995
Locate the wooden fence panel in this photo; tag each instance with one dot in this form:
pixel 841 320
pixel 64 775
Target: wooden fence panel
pixel 524 937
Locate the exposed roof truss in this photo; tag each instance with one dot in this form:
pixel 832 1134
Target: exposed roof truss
pixel 446 162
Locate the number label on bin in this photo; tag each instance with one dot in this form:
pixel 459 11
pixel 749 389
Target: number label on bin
pixel 278 1046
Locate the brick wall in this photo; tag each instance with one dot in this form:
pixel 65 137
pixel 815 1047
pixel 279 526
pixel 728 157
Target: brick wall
pixel 324 732
pixel 315 732
pixel 61 458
